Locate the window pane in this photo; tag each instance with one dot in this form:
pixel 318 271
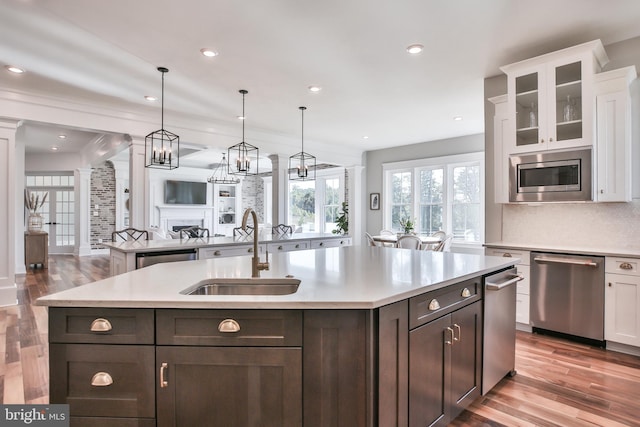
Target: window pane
pixel 431 186
pixel 466 203
pixel 466 222
pixel 401 187
pixel 430 219
pixel 302 204
pixel 466 184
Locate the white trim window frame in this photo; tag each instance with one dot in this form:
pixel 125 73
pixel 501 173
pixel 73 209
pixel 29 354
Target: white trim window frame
pixel 469 211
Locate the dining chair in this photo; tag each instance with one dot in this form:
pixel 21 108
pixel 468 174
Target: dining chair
pixel 281 229
pixel 409 242
pixel 445 244
pixel 387 233
pixel 240 232
pixel 434 246
pixel 129 234
pixel 370 240
pixel 194 232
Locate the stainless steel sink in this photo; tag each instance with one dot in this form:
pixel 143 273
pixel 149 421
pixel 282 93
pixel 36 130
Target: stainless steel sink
pixel 249 286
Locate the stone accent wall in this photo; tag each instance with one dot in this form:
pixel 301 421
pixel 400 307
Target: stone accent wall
pixel 103 194
pixel 253 196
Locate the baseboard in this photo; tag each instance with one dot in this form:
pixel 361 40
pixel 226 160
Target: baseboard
pixel 103 251
pixel 523 327
pixel 623 348
pixel 9 295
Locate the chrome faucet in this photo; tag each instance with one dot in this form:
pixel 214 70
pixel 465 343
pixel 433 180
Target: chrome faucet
pixel 256 265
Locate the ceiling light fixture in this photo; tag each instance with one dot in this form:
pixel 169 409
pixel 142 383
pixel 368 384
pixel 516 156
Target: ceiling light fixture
pixel 415 49
pixel 150 98
pixel 13 69
pixel 208 52
pixel 302 166
pixel 54 148
pixel 162 148
pixel 62 136
pixel 245 155
pixel 220 176
pixel 458 118
pixel 314 89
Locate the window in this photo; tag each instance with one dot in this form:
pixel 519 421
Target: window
pixel 443 193
pixel 314 205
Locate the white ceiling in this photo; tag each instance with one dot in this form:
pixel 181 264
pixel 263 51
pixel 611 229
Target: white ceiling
pixel 107 52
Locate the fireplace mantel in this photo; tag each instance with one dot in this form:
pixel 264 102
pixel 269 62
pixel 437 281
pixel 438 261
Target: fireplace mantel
pixel 170 215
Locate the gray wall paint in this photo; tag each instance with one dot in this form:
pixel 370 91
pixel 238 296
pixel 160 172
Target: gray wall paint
pixel 375 159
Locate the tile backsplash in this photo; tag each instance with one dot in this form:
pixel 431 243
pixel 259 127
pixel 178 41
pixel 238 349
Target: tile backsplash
pixel 592 225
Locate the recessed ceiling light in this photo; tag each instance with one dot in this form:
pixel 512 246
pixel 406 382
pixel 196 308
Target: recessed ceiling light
pixel 54 148
pixel 415 49
pixel 150 98
pixel 365 137
pixel 62 136
pixel 208 52
pixel 458 118
pixel 13 69
pixel 241 117
pixel 314 88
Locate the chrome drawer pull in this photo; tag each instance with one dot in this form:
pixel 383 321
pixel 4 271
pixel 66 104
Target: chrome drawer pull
pixel 216 253
pixel 626 266
pixel 163 370
pixel 572 261
pixel 466 293
pixel 459 332
pixel 490 286
pixel 507 255
pixel 280 247
pixel 297 246
pixel 452 336
pixel 101 379
pixel 228 325
pixel 101 325
pixel 434 305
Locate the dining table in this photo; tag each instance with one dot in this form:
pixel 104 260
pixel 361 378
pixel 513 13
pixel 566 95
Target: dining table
pixel 427 241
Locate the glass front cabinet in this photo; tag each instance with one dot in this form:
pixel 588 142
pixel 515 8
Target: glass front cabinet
pixel 551 101
pixel 227 202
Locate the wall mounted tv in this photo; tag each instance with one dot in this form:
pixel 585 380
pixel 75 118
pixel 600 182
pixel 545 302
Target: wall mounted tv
pixel 185 193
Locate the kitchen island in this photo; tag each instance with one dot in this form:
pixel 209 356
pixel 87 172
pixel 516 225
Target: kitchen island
pixel 133 350
pixel 129 255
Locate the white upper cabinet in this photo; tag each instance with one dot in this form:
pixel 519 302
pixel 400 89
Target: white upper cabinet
pixel 551 101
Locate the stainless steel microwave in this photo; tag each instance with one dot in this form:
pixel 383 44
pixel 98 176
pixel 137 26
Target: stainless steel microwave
pixel 553 176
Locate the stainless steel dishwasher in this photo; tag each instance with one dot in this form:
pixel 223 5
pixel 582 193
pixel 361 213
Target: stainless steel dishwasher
pixel 151 258
pixel 499 327
pixel 567 296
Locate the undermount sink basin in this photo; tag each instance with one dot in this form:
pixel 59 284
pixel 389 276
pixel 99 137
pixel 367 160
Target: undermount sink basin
pixel 249 286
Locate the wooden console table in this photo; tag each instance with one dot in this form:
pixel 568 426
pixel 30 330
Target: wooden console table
pixel 36 249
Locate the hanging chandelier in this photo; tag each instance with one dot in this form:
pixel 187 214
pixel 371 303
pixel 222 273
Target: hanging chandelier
pixel 220 176
pixel 243 157
pixel 302 166
pixel 161 148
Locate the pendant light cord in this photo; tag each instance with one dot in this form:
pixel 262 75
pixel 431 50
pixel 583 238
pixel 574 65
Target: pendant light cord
pixel 302 136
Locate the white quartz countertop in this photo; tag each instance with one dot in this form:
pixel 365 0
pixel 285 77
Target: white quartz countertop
pixel 347 277
pixel 194 243
pixel 597 249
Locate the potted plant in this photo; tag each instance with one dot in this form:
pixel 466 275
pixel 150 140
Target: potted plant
pixel 342 221
pixel 408 225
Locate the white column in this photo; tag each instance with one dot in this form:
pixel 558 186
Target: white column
pixel 8 289
pixel 139 210
pixel 356 204
pixel 122 188
pixel 19 175
pixel 279 168
pixel 82 190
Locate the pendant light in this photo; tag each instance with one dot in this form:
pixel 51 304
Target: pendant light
pixel 302 166
pixel 220 175
pixel 243 157
pixel 161 148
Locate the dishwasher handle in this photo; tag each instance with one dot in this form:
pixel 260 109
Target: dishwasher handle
pixel 572 261
pixel 490 286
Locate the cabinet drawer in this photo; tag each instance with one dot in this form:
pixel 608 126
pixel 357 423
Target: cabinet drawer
pixel 255 327
pixel 523 285
pixel 510 253
pixel 219 252
pixel 330 243
pixel 630 266
pixel 101 325
pixel 127 373
pixel 287 246
pixel 426 307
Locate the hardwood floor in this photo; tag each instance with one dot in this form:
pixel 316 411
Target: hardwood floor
pixel 559 383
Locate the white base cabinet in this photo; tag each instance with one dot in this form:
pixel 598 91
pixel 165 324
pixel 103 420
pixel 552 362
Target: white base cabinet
pixel 622 301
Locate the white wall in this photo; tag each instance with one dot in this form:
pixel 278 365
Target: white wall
pixel 375 159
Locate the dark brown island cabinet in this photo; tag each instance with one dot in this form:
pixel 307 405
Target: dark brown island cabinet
pixel 416 362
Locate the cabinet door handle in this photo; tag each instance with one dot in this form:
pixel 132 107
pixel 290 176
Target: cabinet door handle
pixel 451 336
pixel 216 253
pixel 507 255
pixel 321 243
pixel 101 379
pixel 459 332
pixel 550 139
pixel 626 266
pixel 228 325
pixel 542 141
pixel 163 370
pixel 101 325
pixel 250 250
pixel 280 247
pixel 298 246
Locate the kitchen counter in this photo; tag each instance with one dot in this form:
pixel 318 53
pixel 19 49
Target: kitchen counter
pixel 349 277
pixel 145 246
pixel 597 249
